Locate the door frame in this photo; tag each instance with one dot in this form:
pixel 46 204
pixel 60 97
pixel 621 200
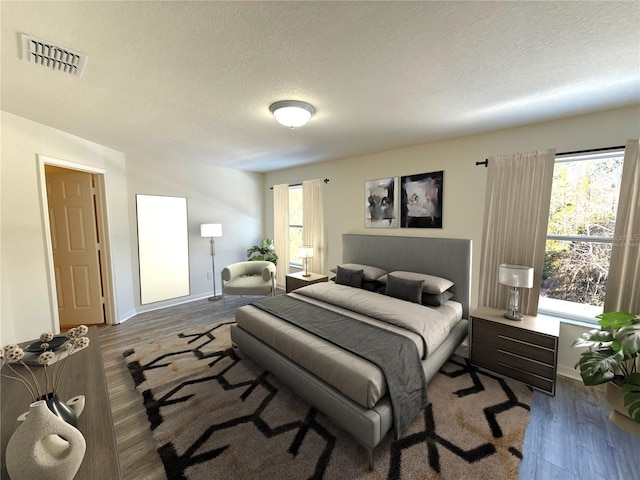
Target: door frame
pixel 102 221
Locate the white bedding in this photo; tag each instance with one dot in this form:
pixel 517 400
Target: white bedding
pixel 358 379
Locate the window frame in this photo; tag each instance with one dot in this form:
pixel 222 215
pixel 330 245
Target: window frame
pixel 292 263
pixel 586 155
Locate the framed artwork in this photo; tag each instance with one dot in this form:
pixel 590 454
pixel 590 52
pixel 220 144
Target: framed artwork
pixel 421 202
pixel 381 203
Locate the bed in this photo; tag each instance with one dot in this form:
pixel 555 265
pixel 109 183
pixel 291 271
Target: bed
pixel 349 389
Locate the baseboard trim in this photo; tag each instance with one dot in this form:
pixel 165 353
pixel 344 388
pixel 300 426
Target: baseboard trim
pixel 569 372
pixel 161 305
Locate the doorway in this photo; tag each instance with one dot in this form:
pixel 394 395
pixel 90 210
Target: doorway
pixel 75 215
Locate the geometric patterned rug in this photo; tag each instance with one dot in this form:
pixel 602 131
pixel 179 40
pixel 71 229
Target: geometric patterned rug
pixel 215 414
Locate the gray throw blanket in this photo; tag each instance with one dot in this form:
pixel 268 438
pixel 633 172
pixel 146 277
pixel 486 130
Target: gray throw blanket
pixel 394 354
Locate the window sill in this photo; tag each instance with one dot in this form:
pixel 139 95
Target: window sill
pixel 570 321
pixel 572 313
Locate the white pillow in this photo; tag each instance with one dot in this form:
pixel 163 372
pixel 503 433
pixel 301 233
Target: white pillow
pixel 431 284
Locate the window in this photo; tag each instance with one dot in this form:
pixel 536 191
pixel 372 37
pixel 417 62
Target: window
pixel 582 216
pixel 295 224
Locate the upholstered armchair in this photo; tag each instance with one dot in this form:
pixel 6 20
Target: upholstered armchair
pixel 249 278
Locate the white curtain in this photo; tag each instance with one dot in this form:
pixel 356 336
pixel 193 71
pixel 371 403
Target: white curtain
pixel 515 223
pixel 281 230
pixel 313 222
pixel 623 282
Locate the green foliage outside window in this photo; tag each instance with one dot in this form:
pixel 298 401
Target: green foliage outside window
pixel 584 201
pixel 295 224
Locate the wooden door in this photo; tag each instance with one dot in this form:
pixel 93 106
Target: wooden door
pixel 75 243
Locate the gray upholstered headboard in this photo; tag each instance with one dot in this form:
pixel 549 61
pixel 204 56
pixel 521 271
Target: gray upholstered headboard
pixel 442 257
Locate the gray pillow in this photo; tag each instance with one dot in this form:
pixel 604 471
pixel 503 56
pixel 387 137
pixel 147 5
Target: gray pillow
pixel 409 290
pixel 432 284
pixel 436 299
pixel 370 273
pixel 351 278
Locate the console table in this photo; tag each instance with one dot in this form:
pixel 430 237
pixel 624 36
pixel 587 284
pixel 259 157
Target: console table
pixel 83 375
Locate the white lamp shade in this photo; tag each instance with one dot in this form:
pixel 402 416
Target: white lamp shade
pixel 292 113
pixel 305 251
pixel 516 275
pixel 211 230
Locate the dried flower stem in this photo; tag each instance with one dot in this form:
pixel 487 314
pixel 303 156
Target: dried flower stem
pixel 22 379
pixel 35 380
pixel 14 354
pixel 46 378
pixel 56 380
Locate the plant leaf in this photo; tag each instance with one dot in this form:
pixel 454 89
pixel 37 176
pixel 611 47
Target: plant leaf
pixel 631 390
pixel 593 338
pixel 616 319
pixel 629 337
pixel 597 367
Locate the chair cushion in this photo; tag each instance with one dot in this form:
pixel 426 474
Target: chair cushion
pixel 256 267
pixel 249 285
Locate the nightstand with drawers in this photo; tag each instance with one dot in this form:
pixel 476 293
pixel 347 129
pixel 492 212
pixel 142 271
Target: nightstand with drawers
pixel 297 280
pixel 525 350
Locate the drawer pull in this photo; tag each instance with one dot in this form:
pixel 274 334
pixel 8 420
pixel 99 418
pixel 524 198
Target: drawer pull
pixel 527 359
pixel 546 379
pixel 529 344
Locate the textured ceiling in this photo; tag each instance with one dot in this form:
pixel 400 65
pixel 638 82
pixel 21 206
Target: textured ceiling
pixel 193 81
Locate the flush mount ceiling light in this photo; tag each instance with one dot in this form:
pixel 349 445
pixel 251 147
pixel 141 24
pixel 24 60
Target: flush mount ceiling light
pixel 292 113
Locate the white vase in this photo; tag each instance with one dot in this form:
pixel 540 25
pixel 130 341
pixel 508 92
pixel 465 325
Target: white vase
pixel 44 447
pixel 620 414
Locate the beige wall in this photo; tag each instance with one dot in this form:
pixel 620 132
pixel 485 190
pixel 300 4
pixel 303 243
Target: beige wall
pixel 27 306
pixel 230 197
pixel 214 195
pixel 241 200
pixel 464 183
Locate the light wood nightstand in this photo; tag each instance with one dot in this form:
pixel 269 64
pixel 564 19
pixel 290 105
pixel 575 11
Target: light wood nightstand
pixel 525 350
pixel 297 280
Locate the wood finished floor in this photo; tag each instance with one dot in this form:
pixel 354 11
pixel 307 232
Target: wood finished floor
pixel 569 436
pixel 136 447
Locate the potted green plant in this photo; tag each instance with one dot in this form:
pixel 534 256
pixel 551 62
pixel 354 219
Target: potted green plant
pixel 264 251
pixel 612 357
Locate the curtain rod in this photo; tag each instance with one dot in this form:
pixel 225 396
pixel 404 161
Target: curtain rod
pixel 575 152
pixel 326 180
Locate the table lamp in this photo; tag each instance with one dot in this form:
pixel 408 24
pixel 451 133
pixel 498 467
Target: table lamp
pixel 516 277
pixel 305 252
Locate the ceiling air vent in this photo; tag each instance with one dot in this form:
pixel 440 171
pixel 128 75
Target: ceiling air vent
pixel 52 56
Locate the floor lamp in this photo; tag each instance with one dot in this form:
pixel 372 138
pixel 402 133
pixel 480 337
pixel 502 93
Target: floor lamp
pixel 212 230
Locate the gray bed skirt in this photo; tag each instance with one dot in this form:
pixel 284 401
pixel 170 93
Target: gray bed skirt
pixel 367 426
